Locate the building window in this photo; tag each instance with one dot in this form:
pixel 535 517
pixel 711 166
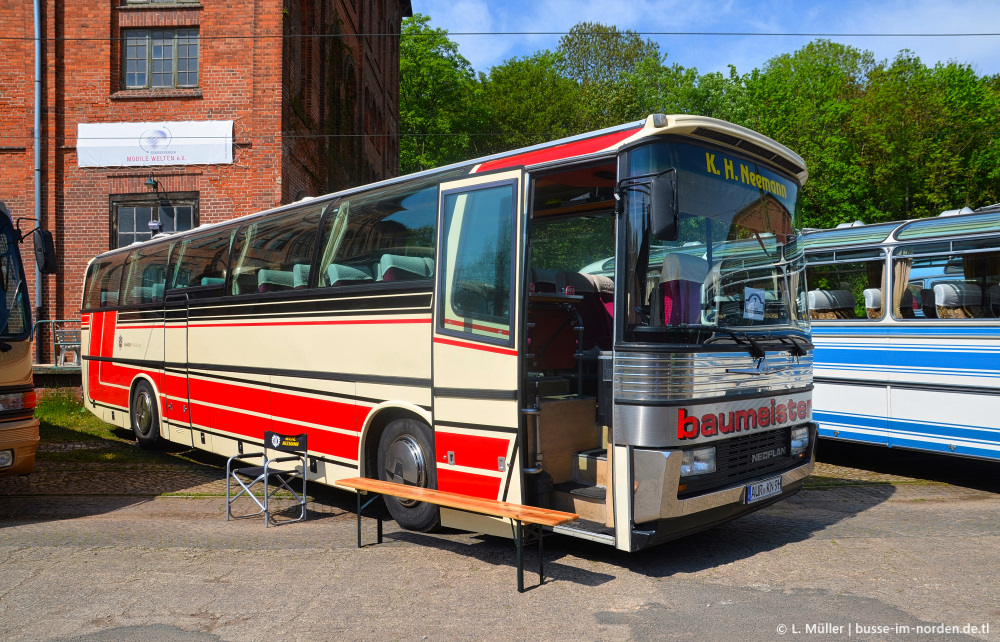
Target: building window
pixel 158 58
pixel 131 218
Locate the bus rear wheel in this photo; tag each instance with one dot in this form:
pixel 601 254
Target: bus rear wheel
pixel 406 456
pixel 143 416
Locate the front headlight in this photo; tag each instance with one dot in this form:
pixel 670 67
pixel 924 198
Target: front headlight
pixel 698 462
pixel 800 440
pixel 6 458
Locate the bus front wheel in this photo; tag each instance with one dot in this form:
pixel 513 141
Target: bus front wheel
pixel 143 415
pixel 406 456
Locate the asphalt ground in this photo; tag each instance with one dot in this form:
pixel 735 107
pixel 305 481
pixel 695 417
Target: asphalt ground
pixel 881 545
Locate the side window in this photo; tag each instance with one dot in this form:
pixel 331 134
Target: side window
pixel 477 235
pixel 103 281
pixel 963 283
pixel 385 235
pixel 199 261
pixel 274 254
pixel 146 275
pixel 847 289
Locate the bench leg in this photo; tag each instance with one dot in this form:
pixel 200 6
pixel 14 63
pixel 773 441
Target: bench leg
pixel 520 557
pixel 378 515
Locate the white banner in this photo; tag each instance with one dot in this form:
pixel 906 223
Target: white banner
pixel 207 142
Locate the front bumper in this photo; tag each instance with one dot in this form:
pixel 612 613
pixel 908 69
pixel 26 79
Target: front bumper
pixel 21 437
pixel 659 515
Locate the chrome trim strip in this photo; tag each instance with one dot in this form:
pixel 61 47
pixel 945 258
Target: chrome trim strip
pixel 640 376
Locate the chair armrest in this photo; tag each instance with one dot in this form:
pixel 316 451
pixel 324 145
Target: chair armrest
pixel 243 456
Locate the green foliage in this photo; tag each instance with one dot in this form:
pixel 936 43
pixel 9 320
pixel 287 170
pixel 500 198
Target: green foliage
pixel 882 140
pixel 439 104
pixel 79 435
pixel 599 59
pixel 528 101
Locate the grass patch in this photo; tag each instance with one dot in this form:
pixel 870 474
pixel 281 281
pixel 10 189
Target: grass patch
pixel 69 432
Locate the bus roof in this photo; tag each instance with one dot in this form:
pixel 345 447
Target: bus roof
pixel 600 143
pixel 947 224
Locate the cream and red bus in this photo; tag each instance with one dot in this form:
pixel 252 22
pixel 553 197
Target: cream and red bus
pixel 612 324
pixel 18 425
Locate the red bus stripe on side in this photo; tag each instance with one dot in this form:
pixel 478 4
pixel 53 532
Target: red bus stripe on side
pixel 569 150
pixel 471 451
pixel 468 484
pixel 476 326
pixel 475 346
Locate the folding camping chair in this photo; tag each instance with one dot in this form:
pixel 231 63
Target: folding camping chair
pixel 248 476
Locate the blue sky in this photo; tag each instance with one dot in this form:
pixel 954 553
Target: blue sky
pixel 708 53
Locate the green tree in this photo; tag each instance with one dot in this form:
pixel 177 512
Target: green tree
pixel 527 101
pixel 600 58
pixel 438 103
pixel 805 100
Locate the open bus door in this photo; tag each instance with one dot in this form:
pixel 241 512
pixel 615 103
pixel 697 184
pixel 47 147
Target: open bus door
pixel 475 342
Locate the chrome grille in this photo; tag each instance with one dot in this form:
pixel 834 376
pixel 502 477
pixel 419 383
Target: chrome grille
pixel 640 376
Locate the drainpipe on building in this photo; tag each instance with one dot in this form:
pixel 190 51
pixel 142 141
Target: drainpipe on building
pixel 38 161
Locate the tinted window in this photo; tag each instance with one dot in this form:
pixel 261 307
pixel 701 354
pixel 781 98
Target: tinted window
pixel 201 260
pixel 103 281
pixel 273 254
pixel 146 275
pixel 478 232
pixel 384 235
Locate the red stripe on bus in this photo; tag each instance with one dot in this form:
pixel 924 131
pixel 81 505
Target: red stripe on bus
pixel 569 150
pixel 471 451
pixel 476 326
pixel 323 441
pixel 468 483
pixel 325 412
pixel 140 327
pixel 234 396
pixel 298 323
pixel 475 346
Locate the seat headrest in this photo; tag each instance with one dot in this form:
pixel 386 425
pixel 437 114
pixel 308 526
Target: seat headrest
pixel 337 272
pixel 873 298
pixel 956 295
pixel 907 300
pixel 683 267
pixel 275 277
pixel 830 299
pixel 300 275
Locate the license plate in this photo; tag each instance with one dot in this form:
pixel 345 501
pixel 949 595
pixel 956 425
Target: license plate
pixel 763 489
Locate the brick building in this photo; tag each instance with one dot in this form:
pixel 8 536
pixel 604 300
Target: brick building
pixel 189 112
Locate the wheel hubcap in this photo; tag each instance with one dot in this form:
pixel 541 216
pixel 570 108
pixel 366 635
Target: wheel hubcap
pixel 404 464
pixel 143 415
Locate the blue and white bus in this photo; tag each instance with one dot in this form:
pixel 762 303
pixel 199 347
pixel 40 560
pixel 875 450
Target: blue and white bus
pixel 906 324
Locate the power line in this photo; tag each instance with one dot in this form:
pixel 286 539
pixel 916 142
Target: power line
pixel 724 34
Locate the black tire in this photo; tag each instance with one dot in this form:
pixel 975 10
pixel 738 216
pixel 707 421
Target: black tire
pixel 406 456
pixel 144 417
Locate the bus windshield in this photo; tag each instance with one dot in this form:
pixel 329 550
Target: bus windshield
pixel 13 302
pixel 733 262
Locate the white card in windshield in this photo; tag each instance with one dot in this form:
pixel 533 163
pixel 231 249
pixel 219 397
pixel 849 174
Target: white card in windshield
pixel 753 304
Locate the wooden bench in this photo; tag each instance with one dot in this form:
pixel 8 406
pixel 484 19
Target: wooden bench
pixel 530 516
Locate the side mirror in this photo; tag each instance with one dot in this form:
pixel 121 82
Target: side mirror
pixel 663 206
pixel 45 251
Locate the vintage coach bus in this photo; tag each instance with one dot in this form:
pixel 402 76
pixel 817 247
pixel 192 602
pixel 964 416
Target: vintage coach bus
pixel 612 324
pixel 18 425
pixel 906 327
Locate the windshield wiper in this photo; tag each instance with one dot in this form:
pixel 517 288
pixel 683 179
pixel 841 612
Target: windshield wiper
pixel 756 352
pixel 797 350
